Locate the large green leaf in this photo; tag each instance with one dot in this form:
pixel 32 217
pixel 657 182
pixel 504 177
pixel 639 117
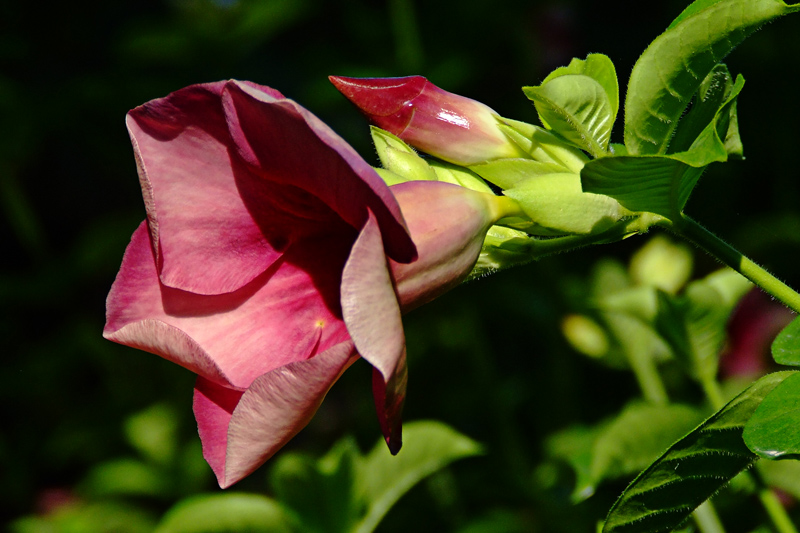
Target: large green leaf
pixel 774 429
pixel 662 184
pixel 428 446
pixel 693 469
pixel 580 102
pixel 671 69
pixel 226 513
pixel 786 347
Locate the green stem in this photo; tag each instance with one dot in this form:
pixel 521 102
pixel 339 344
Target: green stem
pixel 773 506
pixel 693 231
pixel 707 519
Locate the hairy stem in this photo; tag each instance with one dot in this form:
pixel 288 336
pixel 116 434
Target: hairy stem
pixel 689 229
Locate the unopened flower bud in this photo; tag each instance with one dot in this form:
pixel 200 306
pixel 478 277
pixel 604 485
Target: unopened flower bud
pixel 443 124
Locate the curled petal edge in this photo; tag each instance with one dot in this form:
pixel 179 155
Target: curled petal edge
pixel 241 431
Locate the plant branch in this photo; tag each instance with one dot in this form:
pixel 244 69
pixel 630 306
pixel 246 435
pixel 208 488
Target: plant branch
pixel 689 229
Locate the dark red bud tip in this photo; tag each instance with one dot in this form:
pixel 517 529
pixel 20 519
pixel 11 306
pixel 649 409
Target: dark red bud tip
pixel 395 442
pixel 379 97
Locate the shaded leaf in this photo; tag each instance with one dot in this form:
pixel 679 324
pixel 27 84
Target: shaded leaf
pixel 428 446
pixel 662 184
pixel 221 513
pixel 319 493
pixel 637 436
pixel 774 429
pixel 693 469
pixel 672 68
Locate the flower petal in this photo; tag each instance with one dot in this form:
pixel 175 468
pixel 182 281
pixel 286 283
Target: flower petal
pixel 372 315
pixel 205 238
pixel 239 436
pixel 287 314
pixel 448 224
pixel 292 146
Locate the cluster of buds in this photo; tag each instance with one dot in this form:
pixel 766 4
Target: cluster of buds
pixel 477 148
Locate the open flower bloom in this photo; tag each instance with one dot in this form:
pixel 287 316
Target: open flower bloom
pixel 451 127
pixel 272 257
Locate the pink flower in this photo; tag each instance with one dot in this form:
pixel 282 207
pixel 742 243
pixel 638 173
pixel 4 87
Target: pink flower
pixel 443 124
pixel 272 257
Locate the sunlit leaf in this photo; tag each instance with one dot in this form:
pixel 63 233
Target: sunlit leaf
pixel 774 429
pixel 693 469
pixel 226 513
pixel 672 68
pixel 786 347
pixel 710 96
pixel 580 102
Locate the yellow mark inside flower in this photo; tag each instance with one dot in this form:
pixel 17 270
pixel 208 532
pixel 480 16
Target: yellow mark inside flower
pixel 320 323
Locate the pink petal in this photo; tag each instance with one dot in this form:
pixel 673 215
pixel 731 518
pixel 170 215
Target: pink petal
pixel 285 315
pixel 206 238
pixel 448 224
pixel 372 315
pixel 293 147
pixel 240 434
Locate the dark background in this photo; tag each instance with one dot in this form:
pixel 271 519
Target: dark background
pixel 487 359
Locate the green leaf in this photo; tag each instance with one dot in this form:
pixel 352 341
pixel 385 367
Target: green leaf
pixel 662 184
pixel 428 446
pixel 637 436
pixel 153 432
pixel 580 102
pixel 319 493
pixel 693 468
pixel 710 97
pixel 694 324
pixel 659 185
pixel 126 477
pixel 223 513
pixel 774 429
pixel 671 69
pixel 786 347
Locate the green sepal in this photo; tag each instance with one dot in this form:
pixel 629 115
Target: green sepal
pixel 672 68
pixel 507 173
pixel 557 202
pixel 692 469
pixel 450 173
pixel 542 145
pixel 399 158
pixel 580 102
pixel 773 431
